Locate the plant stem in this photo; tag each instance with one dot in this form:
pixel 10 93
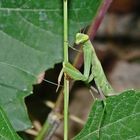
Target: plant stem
pixel 43 131
pixel 66 82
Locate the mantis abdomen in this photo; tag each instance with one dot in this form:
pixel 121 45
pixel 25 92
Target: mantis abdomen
pixel 98 74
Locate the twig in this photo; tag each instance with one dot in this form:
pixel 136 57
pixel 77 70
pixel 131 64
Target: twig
pixel 72 117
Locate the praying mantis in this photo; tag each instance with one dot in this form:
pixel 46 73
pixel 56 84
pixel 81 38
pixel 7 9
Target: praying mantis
pixel 92 67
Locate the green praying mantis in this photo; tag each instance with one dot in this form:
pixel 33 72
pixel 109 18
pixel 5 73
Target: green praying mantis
pixel 92 67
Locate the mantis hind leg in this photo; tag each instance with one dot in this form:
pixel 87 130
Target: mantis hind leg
pixel 101 118
pixel 92 89
pixel 104 109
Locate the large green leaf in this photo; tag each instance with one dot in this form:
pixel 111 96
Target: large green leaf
pixel 31 34
pixel 121 120
pixel 6 130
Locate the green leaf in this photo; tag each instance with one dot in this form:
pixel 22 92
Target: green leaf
pixel 6 130
pixel 31 34
pixel 121 120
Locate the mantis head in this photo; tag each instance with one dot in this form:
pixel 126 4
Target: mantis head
pixel 81 38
